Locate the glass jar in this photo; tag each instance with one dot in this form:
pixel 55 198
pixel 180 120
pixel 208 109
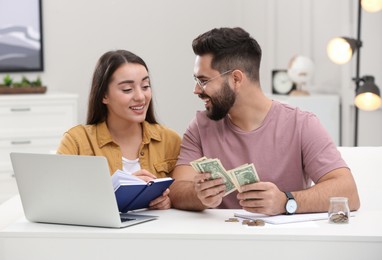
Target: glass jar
pixel 339 212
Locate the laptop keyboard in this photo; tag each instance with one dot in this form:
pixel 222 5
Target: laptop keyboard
pixel 126 218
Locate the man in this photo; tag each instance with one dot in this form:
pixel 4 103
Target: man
pixel 288 147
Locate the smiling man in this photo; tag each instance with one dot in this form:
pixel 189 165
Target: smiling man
pixel 289 147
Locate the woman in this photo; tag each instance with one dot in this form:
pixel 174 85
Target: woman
pixel 121 124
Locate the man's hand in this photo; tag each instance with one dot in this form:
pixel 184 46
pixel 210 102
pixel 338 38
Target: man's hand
pixel 262 197
pixel 209 191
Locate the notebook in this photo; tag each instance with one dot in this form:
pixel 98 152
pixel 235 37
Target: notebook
pixel 69 189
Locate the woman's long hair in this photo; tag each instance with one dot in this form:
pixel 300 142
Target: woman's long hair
pixel 107 64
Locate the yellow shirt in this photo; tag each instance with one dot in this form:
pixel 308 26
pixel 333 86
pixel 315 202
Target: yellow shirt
pixel 158 152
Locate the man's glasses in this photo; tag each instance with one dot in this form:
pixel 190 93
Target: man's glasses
pixel 202 83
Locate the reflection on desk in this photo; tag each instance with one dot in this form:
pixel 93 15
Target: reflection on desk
pixel 190 235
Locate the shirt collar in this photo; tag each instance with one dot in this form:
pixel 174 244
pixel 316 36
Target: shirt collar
pixel 103 134
pixel 150 131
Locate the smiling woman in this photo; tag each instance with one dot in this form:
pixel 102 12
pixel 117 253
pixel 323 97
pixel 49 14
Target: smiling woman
pixel 129 95
pixel 121 124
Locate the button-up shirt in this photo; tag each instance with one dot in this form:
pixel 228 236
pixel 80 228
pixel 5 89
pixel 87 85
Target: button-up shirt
pixel 158 151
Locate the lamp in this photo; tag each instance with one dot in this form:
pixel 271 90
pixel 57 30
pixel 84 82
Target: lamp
pixel 341 49
pixel 368 95
pixel 372 5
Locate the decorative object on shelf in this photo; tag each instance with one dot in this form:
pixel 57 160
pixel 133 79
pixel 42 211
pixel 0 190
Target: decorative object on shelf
pixel 341 49
pixel 25 86
pixel 281 82
pixel 300 71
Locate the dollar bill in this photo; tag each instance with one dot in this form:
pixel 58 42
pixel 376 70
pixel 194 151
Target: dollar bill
pixel 233 179
pixel 195 163
pixel 245 174
pixel 217 170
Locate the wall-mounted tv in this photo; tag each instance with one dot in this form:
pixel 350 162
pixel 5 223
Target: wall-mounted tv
pixel 21 41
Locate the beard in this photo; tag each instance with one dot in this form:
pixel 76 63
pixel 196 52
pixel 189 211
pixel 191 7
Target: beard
pixel 221 103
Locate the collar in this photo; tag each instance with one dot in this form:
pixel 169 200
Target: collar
pixel 103 134
pixel 150 131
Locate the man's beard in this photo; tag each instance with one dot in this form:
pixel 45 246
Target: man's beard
pixel 221 102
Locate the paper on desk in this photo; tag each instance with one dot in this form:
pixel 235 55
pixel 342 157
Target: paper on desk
pixel 281 219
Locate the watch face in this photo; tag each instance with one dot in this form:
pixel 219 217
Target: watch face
pixel 281 83
pixel 291 206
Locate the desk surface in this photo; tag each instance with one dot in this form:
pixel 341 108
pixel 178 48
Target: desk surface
pixel 196 233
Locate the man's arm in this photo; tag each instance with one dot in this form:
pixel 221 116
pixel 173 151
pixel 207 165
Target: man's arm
pixel 182 191
pixel 337 183
pixel 266 198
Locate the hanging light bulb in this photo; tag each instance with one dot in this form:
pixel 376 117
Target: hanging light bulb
pixel 341 49
pixel 368 96
pixel 371 5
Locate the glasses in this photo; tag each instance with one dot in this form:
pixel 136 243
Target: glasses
pixel 202 83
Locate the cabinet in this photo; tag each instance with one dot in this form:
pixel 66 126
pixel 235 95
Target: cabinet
pixel 34 123
pixel 31 123
pixel 325 107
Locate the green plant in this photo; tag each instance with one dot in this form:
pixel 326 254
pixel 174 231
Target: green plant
pixel 37 82
pixel 25 82
pixel 7 80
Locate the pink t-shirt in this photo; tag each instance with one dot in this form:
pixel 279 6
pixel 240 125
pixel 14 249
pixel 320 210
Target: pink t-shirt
pixel 291 148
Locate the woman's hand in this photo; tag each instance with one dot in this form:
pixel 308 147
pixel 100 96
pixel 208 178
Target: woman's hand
pixel 144 175
pixel 162 202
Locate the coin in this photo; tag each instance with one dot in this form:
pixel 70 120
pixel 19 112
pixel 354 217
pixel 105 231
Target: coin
pixel 256 222
pixel 232 220
pixel 339 218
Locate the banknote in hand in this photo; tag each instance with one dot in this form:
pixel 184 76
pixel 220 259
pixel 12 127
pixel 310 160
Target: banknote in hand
pixel 233 179
pixel 217 170
pixel 244 174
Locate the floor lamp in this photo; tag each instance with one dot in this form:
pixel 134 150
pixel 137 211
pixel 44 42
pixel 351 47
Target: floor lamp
pixel 341 49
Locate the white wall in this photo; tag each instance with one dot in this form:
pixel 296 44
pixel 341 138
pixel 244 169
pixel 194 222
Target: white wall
pixel 77 32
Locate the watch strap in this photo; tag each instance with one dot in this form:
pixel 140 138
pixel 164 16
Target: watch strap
pixel 289 195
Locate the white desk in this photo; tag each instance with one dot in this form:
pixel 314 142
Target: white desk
pixel 190 235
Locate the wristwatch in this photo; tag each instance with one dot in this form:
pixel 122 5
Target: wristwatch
pixel 291 204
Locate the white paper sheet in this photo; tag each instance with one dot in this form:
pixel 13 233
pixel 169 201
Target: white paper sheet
pixel 282 219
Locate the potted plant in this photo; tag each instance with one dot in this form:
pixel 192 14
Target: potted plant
pixel 25 86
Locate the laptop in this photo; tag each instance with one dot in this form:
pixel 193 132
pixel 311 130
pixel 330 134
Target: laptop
pixel 69 189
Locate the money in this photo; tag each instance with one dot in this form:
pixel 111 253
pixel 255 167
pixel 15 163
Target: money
pixel 232 220
pixel 233 179
pixel 245 174
pixel 339 218
pixel 217 170
pixel 256 222
pixel 195 165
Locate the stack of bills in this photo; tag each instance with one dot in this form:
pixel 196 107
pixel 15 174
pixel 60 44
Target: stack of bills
pixel 233 179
